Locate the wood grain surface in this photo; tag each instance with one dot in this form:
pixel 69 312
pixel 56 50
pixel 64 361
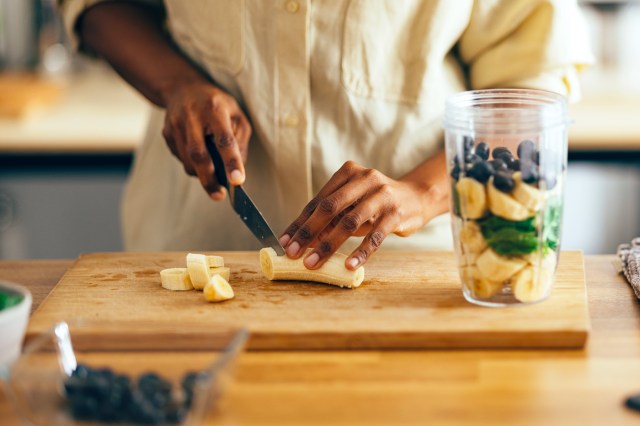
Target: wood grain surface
pixel 436 387
pixel 408 300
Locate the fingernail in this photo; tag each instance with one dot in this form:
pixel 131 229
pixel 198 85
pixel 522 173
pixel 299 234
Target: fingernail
pixel 293 249
pixel 236 176
pixel 311 260
pixel 284 239
pixel 353 262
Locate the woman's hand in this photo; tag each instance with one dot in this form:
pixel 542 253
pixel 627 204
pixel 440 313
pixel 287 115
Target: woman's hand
pixel 360 201
pixel 132 38
pixel 196 109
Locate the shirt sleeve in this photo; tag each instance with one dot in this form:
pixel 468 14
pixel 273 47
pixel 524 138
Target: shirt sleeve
pixel 71 10
pixel 537 44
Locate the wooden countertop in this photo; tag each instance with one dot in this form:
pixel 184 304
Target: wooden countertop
pixel 443 387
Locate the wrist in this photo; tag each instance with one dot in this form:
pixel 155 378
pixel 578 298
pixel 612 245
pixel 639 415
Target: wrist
pixel 433 197
pixel 173 86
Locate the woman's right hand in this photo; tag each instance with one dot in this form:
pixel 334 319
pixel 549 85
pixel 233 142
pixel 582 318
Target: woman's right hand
pixel 196 109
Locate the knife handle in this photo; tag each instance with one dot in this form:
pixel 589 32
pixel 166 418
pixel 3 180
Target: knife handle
pixel 218 165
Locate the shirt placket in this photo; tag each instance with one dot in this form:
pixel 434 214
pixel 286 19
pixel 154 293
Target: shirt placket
pixel 292 103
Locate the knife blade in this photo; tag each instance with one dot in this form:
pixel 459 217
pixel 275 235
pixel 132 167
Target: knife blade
pixel 242 203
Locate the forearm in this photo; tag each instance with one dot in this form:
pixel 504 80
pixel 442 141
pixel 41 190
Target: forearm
pixel 431 180
pixel 131 38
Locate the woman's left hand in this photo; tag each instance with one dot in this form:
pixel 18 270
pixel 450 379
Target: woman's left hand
pixel 358 201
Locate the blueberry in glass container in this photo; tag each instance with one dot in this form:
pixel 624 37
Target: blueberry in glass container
pixel 501 151
pixel 498 165
pixel 467 143
pixel 483 150
pixel 481 171
pixel 526 149
pixel 503 181
pixel 529 171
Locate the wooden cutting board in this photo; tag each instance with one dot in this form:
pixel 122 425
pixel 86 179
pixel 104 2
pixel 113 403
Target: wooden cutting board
pixel 408 300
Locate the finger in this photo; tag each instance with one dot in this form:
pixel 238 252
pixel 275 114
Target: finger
pixel 167 134
pixel 200 158
pixel 328 208
pixel 227 146
pixel 243 135
pixel 347 226
pixel 371 243
pixel 336 181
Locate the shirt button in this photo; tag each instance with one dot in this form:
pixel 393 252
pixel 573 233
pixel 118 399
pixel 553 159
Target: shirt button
pixel 291 120
pixel 292 6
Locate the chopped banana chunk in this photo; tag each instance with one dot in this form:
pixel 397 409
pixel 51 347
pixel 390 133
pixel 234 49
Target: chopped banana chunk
pixel 176 279
pixel 217 289
pixel 215 261
pixel 198 270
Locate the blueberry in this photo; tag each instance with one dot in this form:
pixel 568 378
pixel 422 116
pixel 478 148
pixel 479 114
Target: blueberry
pixel 81 371
pixel 498 165
pixel 481 172
pixel 455 172
pixel 83 407
pixel 471 159
pixel 483 150
pixel 467 144
pixel 526 149
pixel 500 151
pixel 512 163
pixel 529 172
pixel 503 181
pixel 633 402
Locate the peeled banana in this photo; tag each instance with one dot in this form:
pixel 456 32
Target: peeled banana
pixel 504 205
pixel 217 289
pixel 215 261
pixel 333 271
pixel 198 270
pixel 527 195
pixel 532 284
pixel 223 271
pixel 498 268
pixel 471 238
pixel 480 286
pixel 472 197
pixel 176 279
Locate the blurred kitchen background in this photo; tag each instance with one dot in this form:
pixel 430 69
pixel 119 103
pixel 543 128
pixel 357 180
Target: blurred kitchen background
pixel 68 127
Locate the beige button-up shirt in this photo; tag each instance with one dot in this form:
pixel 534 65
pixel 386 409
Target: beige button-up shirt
pixel 326 81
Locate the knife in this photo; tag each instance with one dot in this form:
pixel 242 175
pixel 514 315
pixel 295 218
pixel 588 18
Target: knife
pixel 242 204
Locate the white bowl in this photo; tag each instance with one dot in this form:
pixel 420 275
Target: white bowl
pixel 13 323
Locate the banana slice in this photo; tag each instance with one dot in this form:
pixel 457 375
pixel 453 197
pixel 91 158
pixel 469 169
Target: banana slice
pixel 217 289
pixel 527 195
pixel 472 197
pixel 223 271
pixel 479 285
pixel 504 205
pixel 532 284
pixel 547 262
pixel 471 238
pixel 175 279
pixel 497 268
pixel 215 261
pixel 198 268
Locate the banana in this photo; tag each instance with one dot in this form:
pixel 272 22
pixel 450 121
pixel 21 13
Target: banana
pixel 333 271
pixel 504 205
pixel 478 285
pixel 547 262
pixel 471 238
pixel 532 284
pixel 198 268
pixel 472 197
pixel 223 271
pixel 175 279
pixel 527 195
pixel 217 289
pixel 215 261
pixel 497 268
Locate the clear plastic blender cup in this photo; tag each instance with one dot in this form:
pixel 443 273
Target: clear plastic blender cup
pixel 507 157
